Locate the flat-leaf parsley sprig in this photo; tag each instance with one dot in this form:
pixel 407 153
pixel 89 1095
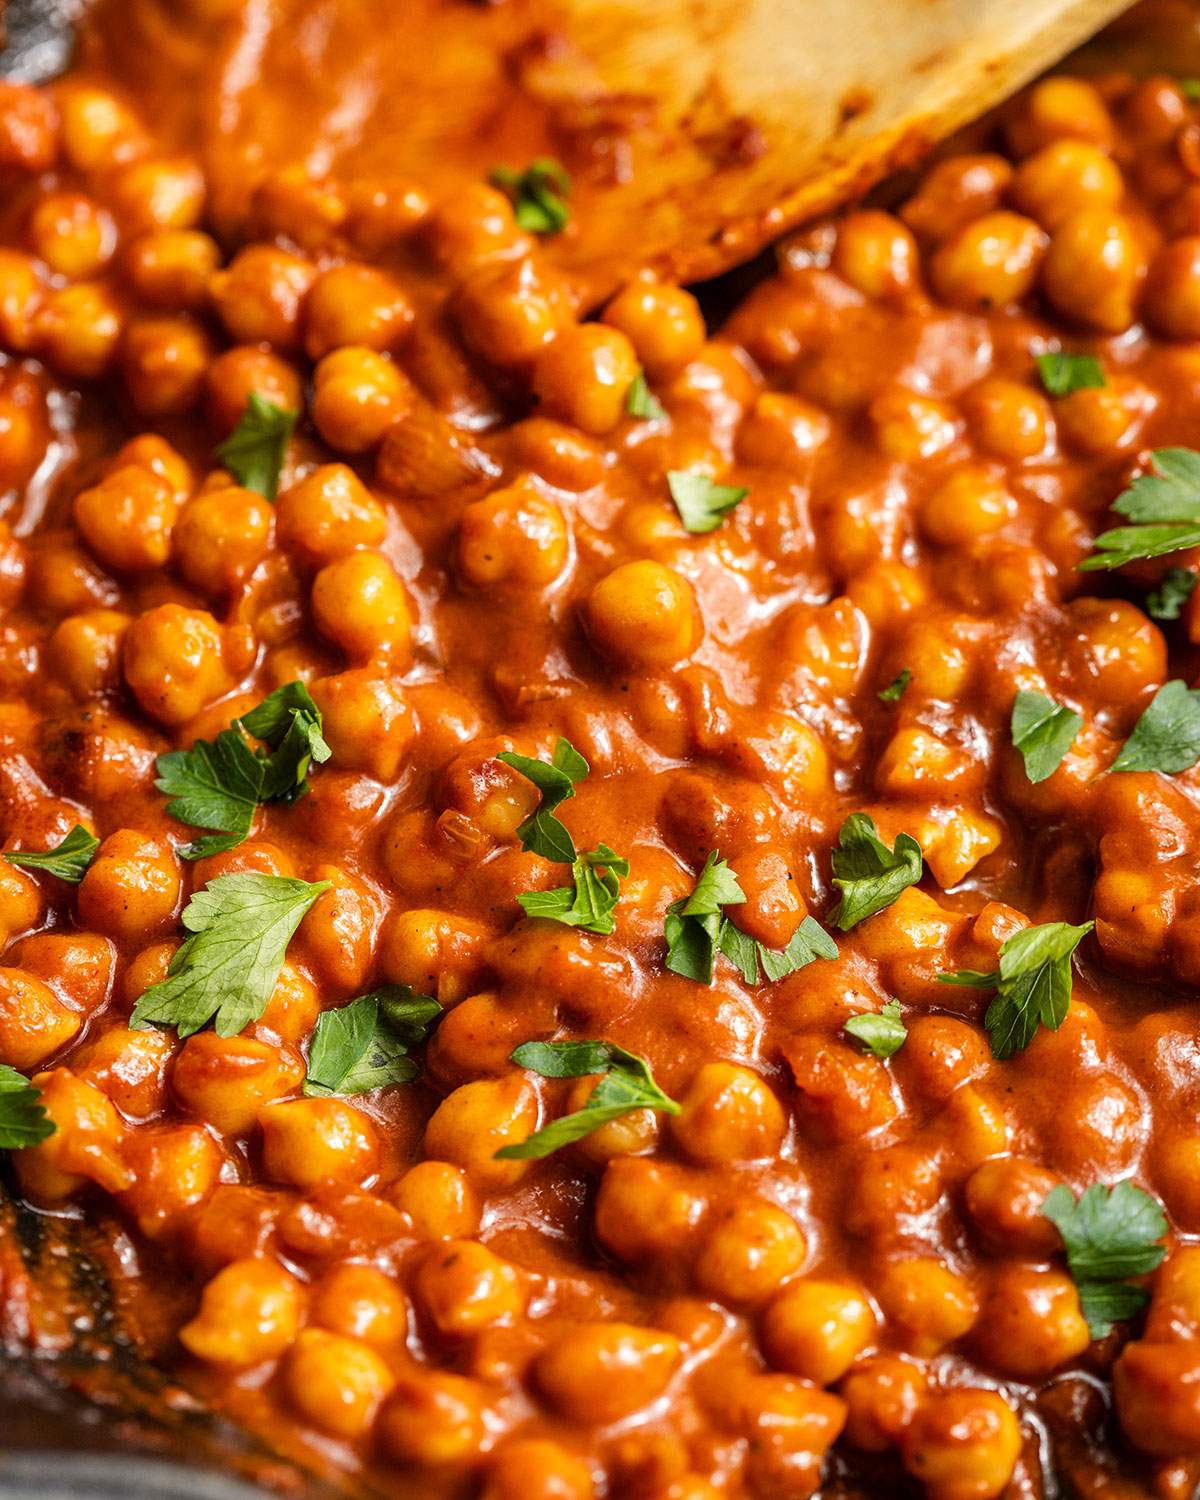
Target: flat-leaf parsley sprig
pixel 1163 507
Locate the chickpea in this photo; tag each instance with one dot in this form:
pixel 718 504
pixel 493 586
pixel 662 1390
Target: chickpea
pixel 475 1121
pixel 909 426
pixel 174 662
pixel 1064 176
pixel 73 234
pixel 384 212
pixel 645 1209
pixel 295 204
pixel 1107 420
pixel 474 227
pixel 149 451
pixel 80 964
pixel 962 1444
pixel 28 128
pixel 645 615
pixel 336 1383
pixel 747 1250
pixel 876 254
pixel 463 1288
pixel 843 1093
pixel 97 128
pixel 991 261
pixel 175 1168
pixel 1116 649
pixel 164 360
pixel 817 1329
pixel 664 324
pixel 1061 108
pixel 158 194
pixel 782 432
pixel 1172 296
pixel 1156 1387
pixel 85 651
pixel 336 939
pixel 728 1114
pixel 131 888
pixel 882 1396
pixel 171 268
pixel 226 1080
pixel 597 1373
pixel 1030 1323
pixel 359 603
pixel 87 1145
pixel 359 395
pixel 1004 1200
pixel 583 376
pixel 927 1302
pixel 439 1201
pixel 971 503
pixel 238 373
pixel 77 329
pixel 1176 1163
pixel 131 1068
pixel 20 299
pixel 221 536
pixel 34 1022
pixel 354 304
pixel 955 191
pixel 127 519
pixel 516 536
pixel 368 723
pixel 360 1302
pixel 250 1312
pixel 329 514
pixel 508 314
pixel 1093 269
pixel 21 903
pixel 433 1419
pixel 1009 419
pixel 310 1141
pixel 260 296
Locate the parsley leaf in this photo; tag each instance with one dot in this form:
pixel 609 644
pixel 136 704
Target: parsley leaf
pixel 881 1032
pixel 627 1085
pixel 218 783
pixel 1110 1234
pixel 1063 373
pixel 1166 737
pixel 240 927
pixel 589 902
pixel 1043 731
pixel 696 929
pixel 537 194
pixel 541 832
pixel 1165 507
pixel 364 1045
pixel 641 400
pixel 23 1118
pixel 896 688
pixel 1173 592
pixel 702 505
pixel 1189 88
pixel 253 451
pixel 869 875
pixel 68 861
pixel 1032 984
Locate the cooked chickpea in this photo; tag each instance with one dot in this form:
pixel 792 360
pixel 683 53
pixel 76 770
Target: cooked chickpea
pixel 34 1022
pixel 1009 419
pixel 171 268
pixel 644 615
pixel 882 1396
pixel 73 234
pixel 646 1208
pixel 131 1068
pixel 817 1329
pixel 1172 296
pixel 929 1304
pixel 953 192
pixel 359 395
pixel 747 1250
pixel 1060 108
pixel 164 361
pixel 782 432
pixel 309 1141
pixel 516 536
pixel 174 662
pixel 1030 1323
pixel 336 1383
pixel 729 1114
pixel 1004 1200
pixel 1157 1391
pixel 474 227
pixel 463 1288
pixel 20 299
pixel 1064 176
pixel 663 322
pixel 221 536
pixel 250 1312
pixel 475 1121
pixel 238 373
pixel 438 1199
pixel 127 518
pixel 991 261
pixel 329 514
pixel 28 128
pixel 963 1445
pixel 354 304
pixel 174 1168
pixel 876 254
pixel 598 1373
pixel 227 1080
pixel 164 193
pixel 583 376
pixel 368 723
pixel 97 128
pixel 535 1469
pixel 85 651
pixel 433 1419
pixel 360 604
pixel 131 888
pixel 260 296
pixel 360 1302
pixel 21 903
pixel 1093 269
pixel 88 1144
pixel 77 329
pixel 971 503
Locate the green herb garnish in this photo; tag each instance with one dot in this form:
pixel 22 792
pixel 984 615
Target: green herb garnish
pixel 1166 737
pixel 641 400
pixel 896 688
pixel 880 1032
pixel 1063 373
pixel 702 505
pixel 67 861
pixel 869 875
pixel 537 194
pixel 1110 1234
pixel 1164 507
pixel 364 1045
pixel 1173 592
pixel 23 1118
pixel 1043 731
pixel 588 903
pixel 541 832
pixel 254 451
pixel 627 1085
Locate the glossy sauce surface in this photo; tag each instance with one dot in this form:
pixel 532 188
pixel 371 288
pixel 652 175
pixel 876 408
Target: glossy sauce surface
pixel 474 550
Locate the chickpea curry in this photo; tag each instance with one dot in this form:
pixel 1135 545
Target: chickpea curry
pixel 609 909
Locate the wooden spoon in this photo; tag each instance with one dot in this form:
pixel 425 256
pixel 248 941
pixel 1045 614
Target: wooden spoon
pixel 696 129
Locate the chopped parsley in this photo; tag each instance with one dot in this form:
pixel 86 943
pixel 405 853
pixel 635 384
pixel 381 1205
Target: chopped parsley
pixel 23 1118
pixel 1166 737
pixel 1063 373
pixel 1164 507
pixel 225 972
pixel 641 400
pixel 538 194
pixel 1173 592
pixel 895 689
pixel 253 452
pixel 364 1045
pixel 627 1084
pixel 1189 88
pixel 702 504
pixel 696 929
pixel 219 783
pixel 68 861
pixel 880 1032
pixel 588 903
pixel 1032 984
pixel 541 832
pixel 1043 731
pixel 1110 1234
pixel 869 875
